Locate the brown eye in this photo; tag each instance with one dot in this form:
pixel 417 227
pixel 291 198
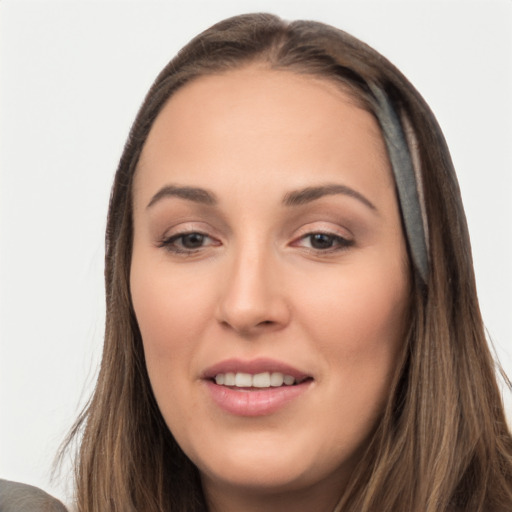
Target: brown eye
pixel 192 240
pixel 321 240
pixel 189 242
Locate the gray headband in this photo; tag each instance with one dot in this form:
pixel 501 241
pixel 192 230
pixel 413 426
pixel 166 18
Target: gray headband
pixel 407 182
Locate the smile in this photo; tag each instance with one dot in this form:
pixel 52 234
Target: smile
pixel 255 388
pixel 258 380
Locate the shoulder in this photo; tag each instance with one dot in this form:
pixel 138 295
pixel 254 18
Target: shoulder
pixel 17 497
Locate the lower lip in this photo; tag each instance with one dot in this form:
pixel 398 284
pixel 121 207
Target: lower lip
pixel 254 402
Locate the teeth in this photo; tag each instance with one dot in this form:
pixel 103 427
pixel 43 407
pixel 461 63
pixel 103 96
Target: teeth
pixel 259 380
pixel 243 380
pixel 276 379
pixel 229 379
pixel 288 380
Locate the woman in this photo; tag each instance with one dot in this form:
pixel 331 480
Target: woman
pixel 292 321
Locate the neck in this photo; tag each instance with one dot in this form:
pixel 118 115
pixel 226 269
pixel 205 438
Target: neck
pixel 324 498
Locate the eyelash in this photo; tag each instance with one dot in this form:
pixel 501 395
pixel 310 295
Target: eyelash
pixel 337 243
pixel 170 243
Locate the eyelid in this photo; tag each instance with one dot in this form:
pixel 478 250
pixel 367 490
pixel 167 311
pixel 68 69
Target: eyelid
pixel 327 228
pixel 342 239
pixel 170 239
pixel 171 245
pixel 184 227
pixel 341 242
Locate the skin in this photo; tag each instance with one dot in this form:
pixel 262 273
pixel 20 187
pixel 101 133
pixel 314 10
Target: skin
pixel 258 285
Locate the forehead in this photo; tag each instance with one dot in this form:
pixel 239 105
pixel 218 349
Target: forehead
pixel 256 117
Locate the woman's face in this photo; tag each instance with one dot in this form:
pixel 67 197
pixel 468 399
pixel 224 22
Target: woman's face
pixel 269 278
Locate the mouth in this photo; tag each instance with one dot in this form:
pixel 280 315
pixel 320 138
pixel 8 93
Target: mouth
pixel 257 381
pixel 254 388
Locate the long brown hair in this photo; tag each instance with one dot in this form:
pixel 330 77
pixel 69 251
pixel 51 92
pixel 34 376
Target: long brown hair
pixel 442 443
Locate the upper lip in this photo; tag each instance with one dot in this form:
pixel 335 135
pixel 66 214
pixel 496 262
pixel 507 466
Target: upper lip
pixel 253 366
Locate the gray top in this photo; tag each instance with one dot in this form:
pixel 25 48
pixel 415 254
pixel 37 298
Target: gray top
pixel 16 497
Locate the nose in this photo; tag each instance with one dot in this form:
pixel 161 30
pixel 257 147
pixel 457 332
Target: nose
pixel 253 299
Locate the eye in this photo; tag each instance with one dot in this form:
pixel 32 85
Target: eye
pixel 321 241
pixel 324 242
pixel 189 242
pixel 192 240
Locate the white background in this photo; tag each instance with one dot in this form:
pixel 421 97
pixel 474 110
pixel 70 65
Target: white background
pixel 72 77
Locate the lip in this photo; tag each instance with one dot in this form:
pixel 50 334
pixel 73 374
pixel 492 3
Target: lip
pixel 253 366
pixel 256 401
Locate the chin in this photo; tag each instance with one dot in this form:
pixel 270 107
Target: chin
pixel 269 465
pixel 272 478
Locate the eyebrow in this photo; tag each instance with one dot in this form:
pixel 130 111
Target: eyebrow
pixel 293 198
pixel 309 194
pixel 195 194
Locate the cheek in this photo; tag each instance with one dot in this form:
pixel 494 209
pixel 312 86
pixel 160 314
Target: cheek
pixel 358 306
pixel 171 314
pixel 358 322
pixel 359 327
pixel 170 306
